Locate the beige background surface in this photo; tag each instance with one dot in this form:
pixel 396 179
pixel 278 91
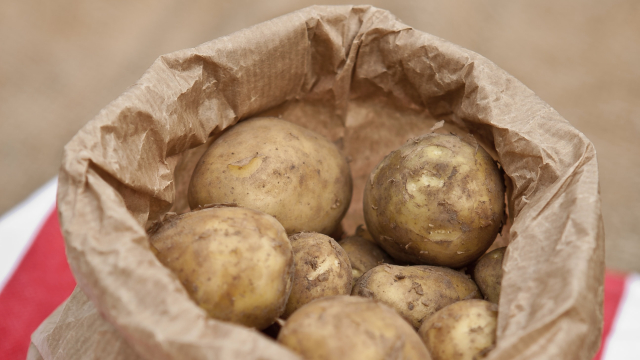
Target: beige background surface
pixel 61 62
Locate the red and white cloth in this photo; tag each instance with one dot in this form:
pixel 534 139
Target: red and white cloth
pixel 35 279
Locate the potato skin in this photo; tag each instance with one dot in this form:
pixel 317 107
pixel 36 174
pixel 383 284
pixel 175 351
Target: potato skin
pixel 487 273
pixel 415 292
pixel 436 200
pixel 347 327
pixel 465 330
pixel 322 269
pixel 362 232
pixel 279 168
pixel 235 263
pixel 363 254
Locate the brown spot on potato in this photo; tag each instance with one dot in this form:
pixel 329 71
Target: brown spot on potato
pixel 453 173
pixel 417 288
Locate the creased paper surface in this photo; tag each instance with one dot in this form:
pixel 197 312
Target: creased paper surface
pixel 370 83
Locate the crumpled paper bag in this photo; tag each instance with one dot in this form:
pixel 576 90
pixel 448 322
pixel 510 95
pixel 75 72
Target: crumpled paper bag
pixel 368 82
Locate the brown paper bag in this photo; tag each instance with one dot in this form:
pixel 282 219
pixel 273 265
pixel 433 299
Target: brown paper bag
pixel 77 331
pixel 368 82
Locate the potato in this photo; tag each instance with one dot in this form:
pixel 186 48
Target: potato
pixel 465 330
pixel 487 273
pixel 344 327
pixel 364 233
pixel 235 263
pixel 363 254
pixel 415 292
pixel 322 269
pixel 279 168
pixel 436 200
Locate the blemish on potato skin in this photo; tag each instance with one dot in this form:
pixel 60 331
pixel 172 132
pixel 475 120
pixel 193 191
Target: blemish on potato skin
pixel 417 288
pixel 336 204
pixel 365 292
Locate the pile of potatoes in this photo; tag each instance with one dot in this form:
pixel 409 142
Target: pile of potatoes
pixel 257 248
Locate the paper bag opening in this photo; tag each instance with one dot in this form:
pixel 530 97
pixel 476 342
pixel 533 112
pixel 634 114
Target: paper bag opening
pixel 369 82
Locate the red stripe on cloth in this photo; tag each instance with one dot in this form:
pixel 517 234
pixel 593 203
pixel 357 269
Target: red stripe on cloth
pixel 41 282
pixel 613 290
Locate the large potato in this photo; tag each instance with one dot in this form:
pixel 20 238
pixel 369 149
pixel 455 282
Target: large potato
pixel 415 292
pixel 279 168
pixel 363 254
pixel 346 327
pixel 436 200
pixel 321 269
pixel 236 263
pixel 487 273
pixel 465 330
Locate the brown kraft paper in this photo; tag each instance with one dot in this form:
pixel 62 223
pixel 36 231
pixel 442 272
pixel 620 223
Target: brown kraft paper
pixel 368 82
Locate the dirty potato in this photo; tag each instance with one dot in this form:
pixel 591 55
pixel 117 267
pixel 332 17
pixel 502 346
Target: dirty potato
pixel 364 255
pixel 279 168
pixel 346 327
pixel 235 263
pixel 415 292
pixel 465 330
pixel 437 200
pixel 364 233
pixel 322 269
pixel 487 273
